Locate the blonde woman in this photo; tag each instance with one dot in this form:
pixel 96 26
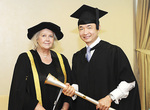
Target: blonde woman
pixel 23 94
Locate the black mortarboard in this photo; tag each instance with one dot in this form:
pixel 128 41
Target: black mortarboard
pixel 87 14
pixel 45 25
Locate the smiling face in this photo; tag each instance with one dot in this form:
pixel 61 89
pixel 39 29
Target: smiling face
pixel 88 33
pixel 45 39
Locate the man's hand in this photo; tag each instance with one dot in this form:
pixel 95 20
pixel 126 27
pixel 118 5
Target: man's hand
pixel 68 90
pixel 104 103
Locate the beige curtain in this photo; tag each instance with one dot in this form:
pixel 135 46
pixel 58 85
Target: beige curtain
pixel 143 51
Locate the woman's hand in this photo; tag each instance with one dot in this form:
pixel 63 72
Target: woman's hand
pixel 39 107
pixel 104 103
pixel 65 106
pixel 68 90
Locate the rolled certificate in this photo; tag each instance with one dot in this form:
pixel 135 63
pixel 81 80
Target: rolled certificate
pixel 55 82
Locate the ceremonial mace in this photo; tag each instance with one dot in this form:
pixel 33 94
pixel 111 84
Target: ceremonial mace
pixel 55 82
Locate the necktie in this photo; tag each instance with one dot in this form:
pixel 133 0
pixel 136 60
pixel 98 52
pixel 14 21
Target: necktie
pixel 88 54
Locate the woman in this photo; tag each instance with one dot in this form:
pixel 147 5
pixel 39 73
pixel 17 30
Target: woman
pixel 23 93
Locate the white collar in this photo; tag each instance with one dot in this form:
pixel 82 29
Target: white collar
pixel 94 43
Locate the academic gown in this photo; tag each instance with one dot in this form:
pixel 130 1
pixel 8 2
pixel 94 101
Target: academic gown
pixel 22 94
pixel 107 68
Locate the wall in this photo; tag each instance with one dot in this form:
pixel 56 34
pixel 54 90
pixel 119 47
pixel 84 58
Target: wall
pixel 16 16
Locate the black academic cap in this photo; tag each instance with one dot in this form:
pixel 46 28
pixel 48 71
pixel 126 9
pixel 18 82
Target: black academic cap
pixel 87 14
pixel 45 25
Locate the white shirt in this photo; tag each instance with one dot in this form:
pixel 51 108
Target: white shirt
pixel 94 44
pixel 122 91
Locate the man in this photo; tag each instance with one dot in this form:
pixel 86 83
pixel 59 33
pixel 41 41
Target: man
pixel 102 73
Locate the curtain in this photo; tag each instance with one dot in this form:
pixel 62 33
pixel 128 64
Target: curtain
pixel 143 51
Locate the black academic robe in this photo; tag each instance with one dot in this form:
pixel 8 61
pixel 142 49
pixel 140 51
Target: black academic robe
pixel 107 68
pixel 22 93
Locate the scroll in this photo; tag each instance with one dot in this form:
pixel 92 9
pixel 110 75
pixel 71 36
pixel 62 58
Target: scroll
pixel 55 82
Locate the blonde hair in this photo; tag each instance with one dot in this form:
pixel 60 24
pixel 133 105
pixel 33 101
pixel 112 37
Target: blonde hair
pixel 35 38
